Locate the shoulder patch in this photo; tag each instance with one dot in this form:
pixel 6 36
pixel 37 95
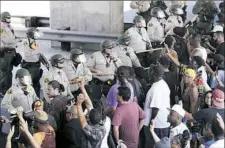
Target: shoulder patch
pixel 25 43
pixel 169 21
pixel 150 25
pixel 1 30
pixel 47 80
pixel 9 91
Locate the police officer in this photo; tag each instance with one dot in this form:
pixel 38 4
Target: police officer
pixel 103 65
pixel 155 29
pixel 33 58
pixel 140 41
pixel 206 11
pixel 20 95
pixel 55 72
pixel 143 8
pixel 182 4
pixel 125 53
pixel 76 69
pixel 174 19
pixel 8 55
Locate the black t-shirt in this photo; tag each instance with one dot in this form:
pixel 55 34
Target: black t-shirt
pixel 207 115
pixel 181 48
pixel 172 82
pixel 220 49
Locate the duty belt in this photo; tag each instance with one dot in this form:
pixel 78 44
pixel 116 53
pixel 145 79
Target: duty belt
pixel 5 49
pixel 99 82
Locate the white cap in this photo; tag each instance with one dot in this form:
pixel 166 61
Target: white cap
pixel 217 28
pixel 177 108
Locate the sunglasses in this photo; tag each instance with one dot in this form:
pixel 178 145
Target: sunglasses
pixel 8 17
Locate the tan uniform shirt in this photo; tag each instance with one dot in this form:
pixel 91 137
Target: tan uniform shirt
pixel 98 61
pixel 142 6
pixel 172 22
pixel 155 30
pixel 60 76
pixel 139 38
pixel 31 54
pixel 15 97
pixel 127 56
pixel 72 72
pixel 8 39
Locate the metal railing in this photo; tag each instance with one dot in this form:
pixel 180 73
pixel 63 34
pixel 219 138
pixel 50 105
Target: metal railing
pixel 69 36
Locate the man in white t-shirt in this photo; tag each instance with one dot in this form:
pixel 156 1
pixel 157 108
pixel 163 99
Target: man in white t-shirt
pixel 157 103
pixel 175 118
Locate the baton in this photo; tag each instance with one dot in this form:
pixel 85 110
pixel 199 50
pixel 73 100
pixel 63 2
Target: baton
pixel 149 50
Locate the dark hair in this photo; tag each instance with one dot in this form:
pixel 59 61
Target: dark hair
pixel 123 73
pixel 182 139
pixel 164 61
pixel 216 129
pixel 55 84
pixel 169 40
pixel 95 116
pixel 158 71
pixel 124 92
pixel 199 60
pixel 180 31
pixel 204 96
pixel 97 104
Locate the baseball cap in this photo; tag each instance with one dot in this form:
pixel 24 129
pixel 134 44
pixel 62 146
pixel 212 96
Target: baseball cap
pixel 41 116
pixel 163 143
pixel 217 28
pixel 218 98
pixel 177 108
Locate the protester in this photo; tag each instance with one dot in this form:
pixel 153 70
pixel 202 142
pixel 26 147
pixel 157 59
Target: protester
pixel 128 119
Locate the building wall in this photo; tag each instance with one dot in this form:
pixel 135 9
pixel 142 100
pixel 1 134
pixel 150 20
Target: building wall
pixel 90 16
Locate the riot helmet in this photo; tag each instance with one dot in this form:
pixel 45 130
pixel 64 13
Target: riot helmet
pixel 6 17
pixel 77 56
pixel 176 9
pixel 158 13
pixel 57 60
pixel 23 77
pixel 33 33
pixel 139 21
pixel 124 39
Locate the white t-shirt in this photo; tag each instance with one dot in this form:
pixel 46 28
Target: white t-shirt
pixel 204 74
pixel 107 126
pixel 158 96
pixel 218 144
pixel 177 130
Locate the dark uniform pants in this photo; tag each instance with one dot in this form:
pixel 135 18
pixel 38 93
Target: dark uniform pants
pixel 6 68
pixel 36 73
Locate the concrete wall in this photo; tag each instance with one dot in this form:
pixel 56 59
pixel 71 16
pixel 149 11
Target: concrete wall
pixel 90 16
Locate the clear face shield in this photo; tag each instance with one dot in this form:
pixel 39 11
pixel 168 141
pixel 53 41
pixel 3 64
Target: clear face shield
pixel 37 35
pixel 24 81
pixel 179 11
pixel 8 19
pixel 161 15
pixel 60 63
pixel 79 59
